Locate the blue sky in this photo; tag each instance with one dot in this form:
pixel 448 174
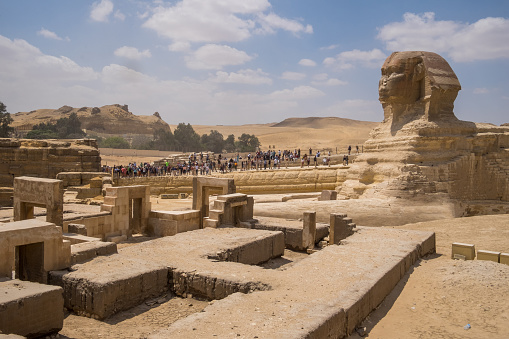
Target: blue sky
pixel 245 61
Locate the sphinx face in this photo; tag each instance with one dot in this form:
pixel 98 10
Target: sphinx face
pixel 397 84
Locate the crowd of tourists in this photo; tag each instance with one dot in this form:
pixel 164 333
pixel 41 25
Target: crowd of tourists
pixel 205 164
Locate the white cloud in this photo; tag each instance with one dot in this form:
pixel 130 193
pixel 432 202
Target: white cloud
pixel 213 56
pixel 101 10
pixel 180 46
pixel 119 15
pixel 322 79
pixel 214 21
pixel 293 76
pixel 132 53
pixel 330 82
pixel 481 91
pixel 348 59
pixel 244 76
pixel 307 62
pixel 329 47
pixel 485 39
pixel 270 22
pixel 48 34
pixel 297 93
pixel 30 77
pixel 20 60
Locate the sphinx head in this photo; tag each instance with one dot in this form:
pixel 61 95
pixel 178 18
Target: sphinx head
pixel 417 85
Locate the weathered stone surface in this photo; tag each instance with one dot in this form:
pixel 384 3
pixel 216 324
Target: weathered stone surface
pixel 30 309
pixel 30 192
pixel 292 230
pixel 305 302
pixel 488 255
pixel 43 246
pixel 421 147
pixel 466 250
pixel 106 285
pixel 253 182
pixel 46 158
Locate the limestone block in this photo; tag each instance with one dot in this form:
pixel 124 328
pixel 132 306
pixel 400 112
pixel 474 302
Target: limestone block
pixel 88 250
pixel 309 230
pixel 328 195
pixel 488 255
pixel 340 228
pixel 30 309
pixel 504 258
pixel 466 250
pixel 102 295
pixel 159 227
pixel 77 228
pixel 74 238
pixel 96 182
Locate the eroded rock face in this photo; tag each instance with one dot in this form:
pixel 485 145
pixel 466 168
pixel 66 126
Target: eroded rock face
pixel 421 147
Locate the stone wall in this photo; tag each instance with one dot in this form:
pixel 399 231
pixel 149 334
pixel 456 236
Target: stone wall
pixel 46 158
pixel 252 182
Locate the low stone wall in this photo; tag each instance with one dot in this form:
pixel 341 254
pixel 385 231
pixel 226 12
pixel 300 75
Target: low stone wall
pixel 97 225
pixel 250 182
pixel 46 158
pixel 79 178
pixel 168 223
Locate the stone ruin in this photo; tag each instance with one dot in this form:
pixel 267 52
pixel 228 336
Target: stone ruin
pixel 43 159
pixel 422 148
pixel 212 254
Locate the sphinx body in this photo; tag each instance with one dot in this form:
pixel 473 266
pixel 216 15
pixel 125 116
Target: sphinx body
pixel 421 146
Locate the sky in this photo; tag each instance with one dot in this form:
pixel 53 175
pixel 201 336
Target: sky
pixel 231 62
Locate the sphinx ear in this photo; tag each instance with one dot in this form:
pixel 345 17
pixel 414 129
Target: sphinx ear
pixel 418 72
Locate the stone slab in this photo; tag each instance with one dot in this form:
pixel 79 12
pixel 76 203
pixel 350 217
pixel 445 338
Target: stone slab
pixel 488 255
pixel 111 286
pixel 30 309
pixel 78 238
pixel 467 250
pixel 323 296
pixel 292 230
pixel 200 263
pixel 84 251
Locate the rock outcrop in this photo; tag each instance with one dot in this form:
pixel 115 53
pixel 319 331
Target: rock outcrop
pixel 421 147
pixel 110 119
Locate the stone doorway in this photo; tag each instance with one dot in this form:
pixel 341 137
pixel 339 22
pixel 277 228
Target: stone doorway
pixel 135 214
pixel 29 262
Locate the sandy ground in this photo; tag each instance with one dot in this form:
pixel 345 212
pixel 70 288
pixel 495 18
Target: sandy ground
pixel 439 296
pixel 435 299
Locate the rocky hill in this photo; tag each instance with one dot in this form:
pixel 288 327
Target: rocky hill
pixel 109 119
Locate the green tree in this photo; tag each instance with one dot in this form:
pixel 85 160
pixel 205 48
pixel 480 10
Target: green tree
pixel 247 143
pixel 163 140
pixel 115 142
pixel 64 128
pixel 187 138
pixel 142 142
pixel 213 142
pixel 5 121
pixel 229 143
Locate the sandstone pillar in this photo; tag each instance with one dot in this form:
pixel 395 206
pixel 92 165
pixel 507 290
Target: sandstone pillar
pixel 309 230
pixel 339 228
